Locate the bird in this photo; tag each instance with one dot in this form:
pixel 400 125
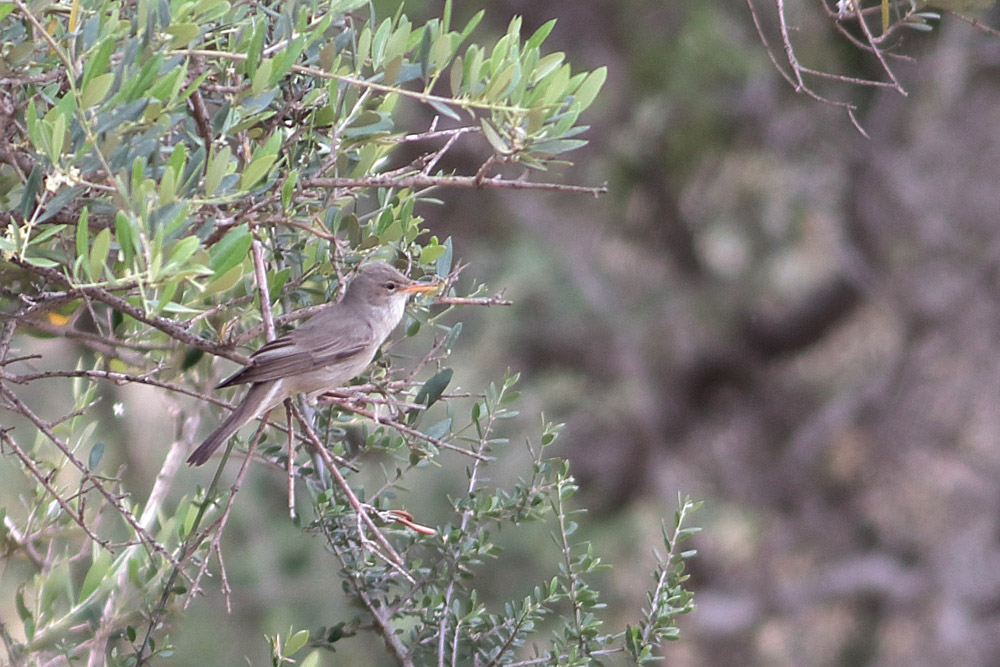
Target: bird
pixel 329 349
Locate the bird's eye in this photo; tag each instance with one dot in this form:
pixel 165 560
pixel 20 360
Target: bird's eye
pixel 390 286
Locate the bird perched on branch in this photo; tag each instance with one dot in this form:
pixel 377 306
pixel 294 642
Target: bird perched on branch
pixel 328 350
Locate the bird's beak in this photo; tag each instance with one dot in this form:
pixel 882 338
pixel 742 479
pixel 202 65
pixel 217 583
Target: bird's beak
pixel 420 288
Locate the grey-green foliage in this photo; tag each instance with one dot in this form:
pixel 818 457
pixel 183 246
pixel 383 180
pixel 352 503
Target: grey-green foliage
pixel 153 151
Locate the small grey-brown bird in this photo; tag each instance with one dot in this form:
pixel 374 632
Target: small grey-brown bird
pixel 332 347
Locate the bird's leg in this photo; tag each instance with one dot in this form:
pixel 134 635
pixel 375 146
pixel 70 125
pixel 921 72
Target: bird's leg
pixel 305 417
pixel 291 459
pixel 382 387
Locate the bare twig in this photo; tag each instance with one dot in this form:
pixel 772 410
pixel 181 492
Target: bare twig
pixel 976 23
pixel 126 514
pixel 875 49
pixel 420 180
pixel 351 405
pixel 363 83
pixel 169 327
pixel 495 300
pixel 112 376
pixel 219 526
pixel 43 479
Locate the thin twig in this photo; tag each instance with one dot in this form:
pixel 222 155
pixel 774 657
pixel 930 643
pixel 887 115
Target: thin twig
pixel 362 83
pixel 169 327
pixel 334 471
pixel 130 518
pixel 495 300
pixel 350 405
pixel 975 23
pixel 420 180
pixel 44 481
pixel 112 376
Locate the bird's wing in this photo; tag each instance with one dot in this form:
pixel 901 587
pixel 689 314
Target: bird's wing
pixel 321 341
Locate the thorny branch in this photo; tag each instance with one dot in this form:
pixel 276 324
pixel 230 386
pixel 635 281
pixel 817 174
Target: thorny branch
pixel 857 25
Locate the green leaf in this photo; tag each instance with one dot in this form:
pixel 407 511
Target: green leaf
pixel 556 146
pixel 492 136
pixel 99 252
pixel 135 88
pixel 177 159
pixel 183 34
pixel 443 267
pixel 439 429
pixel 469 27
pixel 288 188
pixel 256 170
pixel 55 585
pixel 96 454
pixel 218 166
pixel 256 47
pixel 379 42
pixel 456 75
pixel 168 186
pixel 431 390
pixel 58 137
pixel 31 118
pixel 453 333
pixel 166 295
pixel 392 233
pixel 311 660
pixel 47 234
pixel 182 251
pixel 369 123
pixel 501 82
pixel 123 232
pixel 286 59
pixel 262 78
pixel 167 86
pixel 444 109
pixel 588 90
pixel 547 65
pixel 224 282
pixel 96 574
pixel 97 63
pixel 557 86
pixel 82 233
pixel 189 518
pixel 396 44
pixel 42 262
pixel 96 90
pixel 25 614
pixel 392 69
pixel 430 253
pixel 231 250
pixel 27 204
pixel 191 357
pixel 474 66
pixel 277 281
pixel 193 86
pixel 364 48
pixel 440 52
pixel 539 35
pixel 295 643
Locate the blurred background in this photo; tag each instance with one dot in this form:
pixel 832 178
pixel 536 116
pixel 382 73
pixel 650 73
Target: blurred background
pixel 770 312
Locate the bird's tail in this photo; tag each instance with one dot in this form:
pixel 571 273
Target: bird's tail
pixel 260 398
